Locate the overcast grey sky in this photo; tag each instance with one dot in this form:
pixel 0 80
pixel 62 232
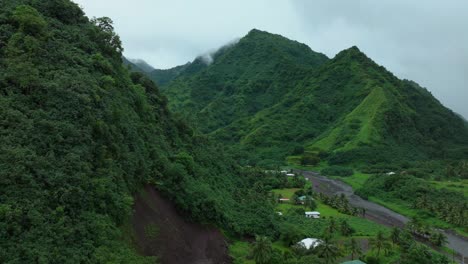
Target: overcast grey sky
pixel 425 41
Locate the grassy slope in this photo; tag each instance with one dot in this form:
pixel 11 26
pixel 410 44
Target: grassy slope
pixel 362 120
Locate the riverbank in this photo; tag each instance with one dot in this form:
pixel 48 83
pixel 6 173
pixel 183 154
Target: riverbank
pixel 374 211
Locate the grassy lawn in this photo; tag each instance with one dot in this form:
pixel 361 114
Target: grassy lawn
pixel 356 180
pixel 239 251
pixel 362 226
pixel 286 193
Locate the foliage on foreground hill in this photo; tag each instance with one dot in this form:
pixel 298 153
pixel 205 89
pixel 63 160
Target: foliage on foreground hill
pixel 80 135
pixel 268 96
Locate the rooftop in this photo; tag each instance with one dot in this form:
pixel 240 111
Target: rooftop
pixel 310 242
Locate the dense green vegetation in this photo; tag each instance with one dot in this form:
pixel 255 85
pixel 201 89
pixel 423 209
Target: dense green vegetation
pixel 80 135
pixel 341 232
pixel 269 97
pixel 430 202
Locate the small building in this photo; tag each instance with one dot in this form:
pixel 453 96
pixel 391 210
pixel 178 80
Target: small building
pixel 313 214
pixel 290 174
pixel 279 213
pixel 284 172
pixel 391 173
pixel 309 243
pixel 281 200
pixel 301 199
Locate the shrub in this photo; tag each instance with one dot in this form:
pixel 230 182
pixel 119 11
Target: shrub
pixel 337 171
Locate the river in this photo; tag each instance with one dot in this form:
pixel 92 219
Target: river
pixel 376 212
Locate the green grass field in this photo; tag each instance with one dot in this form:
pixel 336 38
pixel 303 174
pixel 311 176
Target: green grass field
pixel 356 180
pixel 362 226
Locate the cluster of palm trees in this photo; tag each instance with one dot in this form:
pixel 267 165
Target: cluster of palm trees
pixel 445 208
pixel 340 203
pixel 419 229
pixel 343 227
pixel 380 242
pixel 329 251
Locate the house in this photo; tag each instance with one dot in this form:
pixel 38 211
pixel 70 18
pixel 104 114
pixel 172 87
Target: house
pixel 357 261
pixel 290 175
pixel 279 213
pixel 284 172
pixel 301 199
pixel 391 173
pixel 313 214
pixel 309 242
pixel 283 200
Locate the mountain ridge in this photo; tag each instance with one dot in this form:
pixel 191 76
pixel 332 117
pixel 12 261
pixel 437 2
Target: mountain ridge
pixel 334 94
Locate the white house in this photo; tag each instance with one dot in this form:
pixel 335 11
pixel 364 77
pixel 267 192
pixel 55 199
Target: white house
pixel 391 173
pixel 290 175
pixel 284 172
pixel 279 213
pixel 310 242
pixel 313 214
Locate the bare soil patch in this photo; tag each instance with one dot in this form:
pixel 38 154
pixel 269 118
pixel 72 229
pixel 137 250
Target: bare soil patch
pixel 161 231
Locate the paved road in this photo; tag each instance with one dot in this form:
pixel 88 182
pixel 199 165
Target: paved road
pixel 375 212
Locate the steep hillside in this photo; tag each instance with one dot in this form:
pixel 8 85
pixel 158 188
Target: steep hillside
pixel 243 79
pixel 270 97
pixel 131 66
pixel 143 65
pixel 162 77
pixel 80 136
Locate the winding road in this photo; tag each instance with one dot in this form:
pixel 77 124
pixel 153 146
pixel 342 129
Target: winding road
pixel 376 212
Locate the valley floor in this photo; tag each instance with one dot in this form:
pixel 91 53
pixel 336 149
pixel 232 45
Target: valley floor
pixel 374 210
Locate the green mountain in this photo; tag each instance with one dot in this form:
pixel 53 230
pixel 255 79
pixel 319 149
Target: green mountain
pixel 269 98
pixel 143 65
pixel 162 77
pixel 81 135
pixel 131 66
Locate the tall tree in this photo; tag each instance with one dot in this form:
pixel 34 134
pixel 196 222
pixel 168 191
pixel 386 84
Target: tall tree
pixel 438 239
pixel 262 250
pixel 395 235
pixel 310 203
pixel 379 242
pixel 328 250
pixel 345 228
pixel 354 248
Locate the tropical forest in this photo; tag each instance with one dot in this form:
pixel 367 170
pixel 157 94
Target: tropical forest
pixel 262 151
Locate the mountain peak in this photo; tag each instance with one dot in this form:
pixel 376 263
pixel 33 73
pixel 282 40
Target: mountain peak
pixel 353 52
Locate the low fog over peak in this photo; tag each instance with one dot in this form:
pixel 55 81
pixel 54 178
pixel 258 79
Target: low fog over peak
pixel 424 41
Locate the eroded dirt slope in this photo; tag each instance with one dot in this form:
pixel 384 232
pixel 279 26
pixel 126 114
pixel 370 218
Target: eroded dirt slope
pixel 161 231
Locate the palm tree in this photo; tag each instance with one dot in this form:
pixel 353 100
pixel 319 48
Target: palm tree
pixel 395 235
pixel 262 250
pixel 331 226
pixel 379 242
pixel 345 228
pixel 310 203
pixel 438 239
pixel 354 248
pixel 328 250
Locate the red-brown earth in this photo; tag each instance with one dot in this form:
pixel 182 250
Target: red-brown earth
pixel 159 230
